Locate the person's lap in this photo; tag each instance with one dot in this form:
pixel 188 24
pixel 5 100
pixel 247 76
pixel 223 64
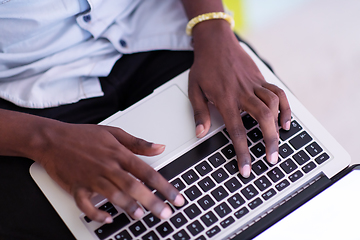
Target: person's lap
pixel 25 213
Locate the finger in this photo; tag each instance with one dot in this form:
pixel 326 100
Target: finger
pixel 270 99
pixel 262 113
pixel 284 106
pixel 152 178
pixel 82 198
pixel 235 127
pixel 134 144
pixel 141 193
pixel 116 196
pixel 201 110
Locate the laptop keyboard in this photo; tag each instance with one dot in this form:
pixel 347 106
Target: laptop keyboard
pixel 216 195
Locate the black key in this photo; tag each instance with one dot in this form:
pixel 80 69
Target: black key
pixel 258 150
pixel 228 151
pixel 233 184
pixel 181 235
pixel 255 135
pixel 87 219
pixel 219 175
pixel 236 201
pixel 178 220
pixel 300 140
pixel 288 166
pixel 219 193
pixel 322 158
pixel 212 232
pixel 285 150
pixel 216 160
pixel 112 211
pixel 151 220
pixel 190 176
pixel 275 174
pixel 150 236
pixel 137 228
pixel 206 202
pixel 232 167
pixel 108 229
pixel 242 212
pixel 106 206
pixel 222 210
pixel 269 194
pixel 192 211
pixel 192 193
pixel 200 238
pixel 255 203
pixel 192 157
pixel 195 228
pixel 226 132
pixel 294 128
pixel 282 185
pixel 295 176
pixel 206 184
pixel 314 149
pixel 203 168
pixel 164 229
pixel 248 121
pixel 249 192
pixel 308 167
pixel 246 180
pixel 227 222
pixel 209 219
pixel 124 235
pixel 262 183
pixel 178 184
pixel 301 157
pixel 259 167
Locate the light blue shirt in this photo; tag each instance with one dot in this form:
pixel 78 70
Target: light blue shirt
pixel 52 52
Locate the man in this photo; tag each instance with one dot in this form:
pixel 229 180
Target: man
pixel 55 62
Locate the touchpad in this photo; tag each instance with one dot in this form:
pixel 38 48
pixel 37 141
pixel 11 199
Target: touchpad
pixel 165 117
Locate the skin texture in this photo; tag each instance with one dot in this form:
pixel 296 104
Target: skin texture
pixel 87 159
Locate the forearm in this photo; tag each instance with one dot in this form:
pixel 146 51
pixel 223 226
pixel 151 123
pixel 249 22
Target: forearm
pixel 21 134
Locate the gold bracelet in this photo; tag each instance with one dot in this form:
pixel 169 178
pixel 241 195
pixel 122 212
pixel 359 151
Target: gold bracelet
pixel 209 16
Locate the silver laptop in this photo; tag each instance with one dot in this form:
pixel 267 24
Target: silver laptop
pixel 220 204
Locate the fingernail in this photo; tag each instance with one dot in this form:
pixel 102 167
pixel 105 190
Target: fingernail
pixel 157 146
pixel 165 213
pixel 274 157
pixel 179 200
pixel 199 130
pixel 245 171
pixel 139 213
pixel 108 220
pixel 287 125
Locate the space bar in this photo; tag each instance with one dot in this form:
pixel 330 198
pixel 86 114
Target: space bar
pixel 193 156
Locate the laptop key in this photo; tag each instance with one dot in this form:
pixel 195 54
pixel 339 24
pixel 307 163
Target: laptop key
pixel 151 220
pixel 269 194
pixel 301 157
pixel 248 121
pixel 229 151
pixel 219 193
pixel 233 184
pixel 195 228
pixel 288 166
pixel 285 150
pixel 262 183
pixel 108 229
pixel 178 184
pixel 212 232
pixel 236 201
pixel 149 236
pixel 249 192
pixel 275 174
pixel 232 167
pixel 124 235
pixel 295 176
pixel 322 158
pixel 192 211
pixel 216 160
pixel 255 203
pixel 255 135
pixel 181 235
pixel 282 185
pixel 209 219
pixel 294 128
pixel 200 238
pixel 314 149
pixel 137 228
pixel 246 180
pixel 308 167
pixel 203 168
pixel 206 184
pixel 222 210
pixel 259 167
pixel 300 140
pixel 227 222
pixel 206 202
pixel 220 175
pixel 242 212
pixel 192 193
pixel 164 229
pixel 258 150
pixel 178 220
pixel 190 176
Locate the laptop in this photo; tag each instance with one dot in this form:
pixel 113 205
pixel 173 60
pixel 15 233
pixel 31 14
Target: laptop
pixel 220 204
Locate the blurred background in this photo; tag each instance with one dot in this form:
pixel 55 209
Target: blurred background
pixel 314 48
